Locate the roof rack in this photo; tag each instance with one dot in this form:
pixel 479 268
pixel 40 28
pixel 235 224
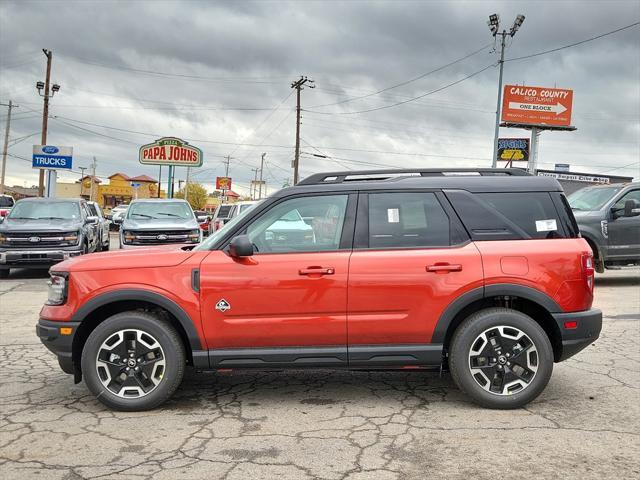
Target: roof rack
pixel 372 175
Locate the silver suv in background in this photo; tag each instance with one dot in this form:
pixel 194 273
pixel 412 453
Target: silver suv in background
pixel 227 211
pixel 157 221
pixel 102 227
pixel 609 220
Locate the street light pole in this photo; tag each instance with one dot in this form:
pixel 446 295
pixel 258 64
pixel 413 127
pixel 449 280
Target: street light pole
pixel 45 116
pixel 82 169
pixel 494 26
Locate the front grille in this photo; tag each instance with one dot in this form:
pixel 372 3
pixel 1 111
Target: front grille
pixel 158 237
pixel 36 239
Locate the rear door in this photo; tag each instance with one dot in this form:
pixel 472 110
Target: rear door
pixel 411 259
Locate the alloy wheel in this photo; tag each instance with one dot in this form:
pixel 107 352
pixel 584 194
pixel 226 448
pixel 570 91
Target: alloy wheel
pixel 130 363
pixel 503 360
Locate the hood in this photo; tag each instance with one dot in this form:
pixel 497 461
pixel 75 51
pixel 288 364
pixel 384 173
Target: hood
pixel 586 213
pixel 160 224
pixel 160 256
pixel 18 225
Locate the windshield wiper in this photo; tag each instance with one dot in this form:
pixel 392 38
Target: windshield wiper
pixel 52 218
pixel 169 214
pixel 22 218
pixel 142 215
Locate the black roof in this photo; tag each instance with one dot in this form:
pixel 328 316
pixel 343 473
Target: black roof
pixel 472 180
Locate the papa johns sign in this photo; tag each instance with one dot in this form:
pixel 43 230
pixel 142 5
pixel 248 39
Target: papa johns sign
pixel 170 151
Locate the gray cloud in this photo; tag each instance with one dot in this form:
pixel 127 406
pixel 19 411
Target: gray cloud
pixel 251 51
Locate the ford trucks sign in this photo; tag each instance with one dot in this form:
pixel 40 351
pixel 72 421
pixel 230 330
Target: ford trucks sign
pixel 52 157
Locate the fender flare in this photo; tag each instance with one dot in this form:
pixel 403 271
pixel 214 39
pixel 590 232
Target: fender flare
pixel 146 296
pixel 499 289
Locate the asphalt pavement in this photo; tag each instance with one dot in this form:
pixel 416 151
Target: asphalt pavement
pixel 322 424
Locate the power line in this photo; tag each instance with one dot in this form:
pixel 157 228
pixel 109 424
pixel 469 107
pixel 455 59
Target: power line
pixel 411 99
pixel 573 44
pixel 402 84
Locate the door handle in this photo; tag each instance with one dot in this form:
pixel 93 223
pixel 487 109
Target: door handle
pixel 317 271
pixel 443 267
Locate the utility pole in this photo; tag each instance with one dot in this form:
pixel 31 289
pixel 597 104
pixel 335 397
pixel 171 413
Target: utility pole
pixel 186 185
pixel 51 174
pixel 226 174
pixel 298 85
pixel 93 177
pixel 159 180
pixel 260 184
pixel 253 188
pixel 82 169
pixel 6 143
pixel 494 26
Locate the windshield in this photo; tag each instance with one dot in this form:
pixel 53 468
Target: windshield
pixel 147 210
pixel 45 211
pixel 591 198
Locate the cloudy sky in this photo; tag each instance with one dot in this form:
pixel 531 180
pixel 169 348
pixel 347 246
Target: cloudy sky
pixel 219 74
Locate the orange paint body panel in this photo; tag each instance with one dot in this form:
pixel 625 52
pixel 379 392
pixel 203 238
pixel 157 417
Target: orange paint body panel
pixel 394 299
pixel 554 268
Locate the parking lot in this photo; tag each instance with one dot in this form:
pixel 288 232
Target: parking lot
pixel 322 424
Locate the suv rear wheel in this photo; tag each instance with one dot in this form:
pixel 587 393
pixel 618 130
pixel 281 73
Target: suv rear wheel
pixel 133 361
pixel 501 358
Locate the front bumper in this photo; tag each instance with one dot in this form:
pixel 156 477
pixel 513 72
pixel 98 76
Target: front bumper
pixel 36 258
pixel 587 330
pixel 61 345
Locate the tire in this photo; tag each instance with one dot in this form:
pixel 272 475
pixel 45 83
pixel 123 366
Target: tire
pixel 160 372
pixel 471 347
pixel 98 246
pixel 105 247
pixel 4 273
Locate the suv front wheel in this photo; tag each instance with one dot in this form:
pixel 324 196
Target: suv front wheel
pixel 133 361
pixel 501 358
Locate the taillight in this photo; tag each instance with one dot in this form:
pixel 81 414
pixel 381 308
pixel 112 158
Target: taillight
pixel 588 271
pixel 218 225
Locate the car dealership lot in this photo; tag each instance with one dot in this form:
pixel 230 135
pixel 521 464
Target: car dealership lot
pixel 322 424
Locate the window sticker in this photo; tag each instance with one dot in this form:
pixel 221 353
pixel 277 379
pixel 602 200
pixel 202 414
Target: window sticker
pixel 393 215
pixel 546 225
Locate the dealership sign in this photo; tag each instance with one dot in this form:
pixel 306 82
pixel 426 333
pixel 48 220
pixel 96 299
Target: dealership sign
pixel 537 105
pixel 52 157
pixel 513 149
pixel 223 183
pixel 170 151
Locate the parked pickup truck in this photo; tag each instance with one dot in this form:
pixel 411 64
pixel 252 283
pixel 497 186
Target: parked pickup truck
pixel 39 232
pixel 609 220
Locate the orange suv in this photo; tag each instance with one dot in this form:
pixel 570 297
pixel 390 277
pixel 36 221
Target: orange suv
pixel 481 272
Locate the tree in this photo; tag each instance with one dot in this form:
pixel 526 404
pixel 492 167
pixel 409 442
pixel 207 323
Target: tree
pixel 197 196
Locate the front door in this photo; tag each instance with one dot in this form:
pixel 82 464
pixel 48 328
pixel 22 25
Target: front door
pixel 410 260
pixel 624 232
pixel 287 303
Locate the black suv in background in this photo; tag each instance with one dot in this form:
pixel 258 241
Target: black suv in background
pixel 39 232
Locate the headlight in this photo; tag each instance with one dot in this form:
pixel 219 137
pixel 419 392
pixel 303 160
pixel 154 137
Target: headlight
pixel 57 289
pixel 71 238
pixel 3 239
pixel 194 236
pixel 128 237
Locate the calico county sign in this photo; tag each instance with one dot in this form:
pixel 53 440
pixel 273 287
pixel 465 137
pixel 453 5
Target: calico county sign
pixel 170 151
pixel 537 105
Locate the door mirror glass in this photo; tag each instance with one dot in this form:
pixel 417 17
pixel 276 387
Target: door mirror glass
pixel 631 208
pixel 93 220
pixel 241 246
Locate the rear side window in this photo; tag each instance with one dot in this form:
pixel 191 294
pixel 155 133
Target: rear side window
pixel 224 211
pixel 533 212
pixel 407 220
pixel 92 210
pixel 6 201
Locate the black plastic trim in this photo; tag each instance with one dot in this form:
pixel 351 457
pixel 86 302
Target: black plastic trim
pixel 587 331
pixel 291 357
pixel 512 290
pixel 455 307
pixel 200 359
pixel 145 296
pixel 395 355
pixel 195 280
pixel 61 345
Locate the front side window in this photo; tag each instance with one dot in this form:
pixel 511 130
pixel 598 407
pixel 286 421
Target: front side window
pixel 45 211
pixel 632 195
pixel 303 224
pixel 149 210
pixel 407 220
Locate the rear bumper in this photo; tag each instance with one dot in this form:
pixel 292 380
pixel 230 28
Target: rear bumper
pixel 60 345
pixel 587 330
pixel 36 258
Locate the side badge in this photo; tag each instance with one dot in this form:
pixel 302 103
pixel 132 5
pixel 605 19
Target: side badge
pixel 604 228
pixel 223 305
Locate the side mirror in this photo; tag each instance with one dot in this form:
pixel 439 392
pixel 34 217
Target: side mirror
pixel 117 220
pixel 631 208
pixel 92 220
pixel 241 246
